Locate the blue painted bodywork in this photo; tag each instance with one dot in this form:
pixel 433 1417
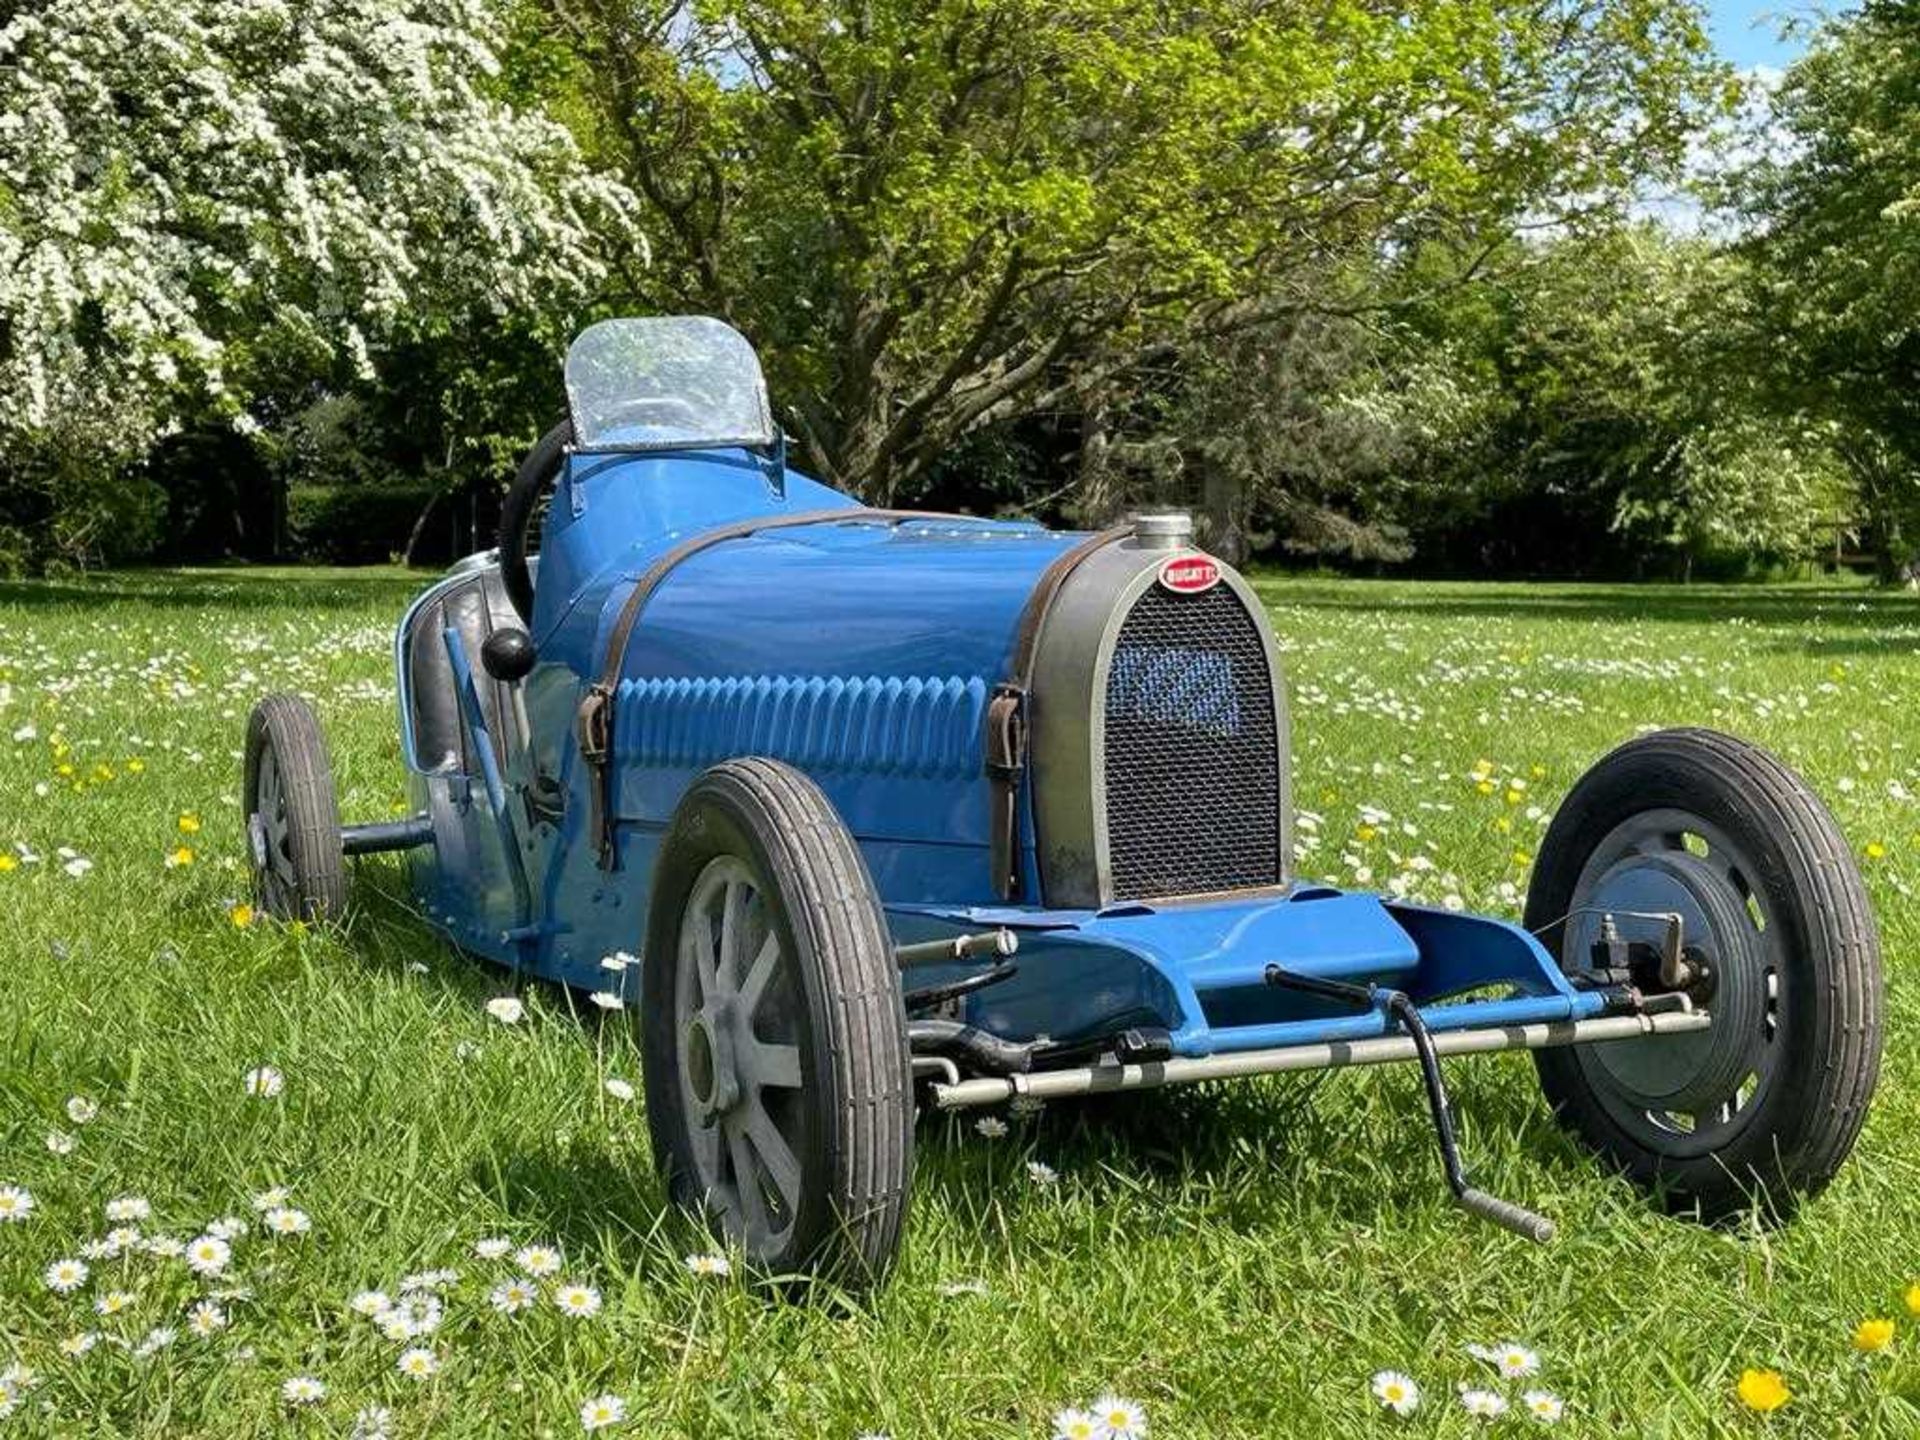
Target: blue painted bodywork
pixel 864 655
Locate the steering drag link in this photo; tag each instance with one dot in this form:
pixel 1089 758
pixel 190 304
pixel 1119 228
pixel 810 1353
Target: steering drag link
pixel 1402 1011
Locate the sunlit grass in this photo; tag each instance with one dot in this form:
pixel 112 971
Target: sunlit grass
pixel 1240 1260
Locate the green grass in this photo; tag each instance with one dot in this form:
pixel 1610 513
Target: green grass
pixel 1239 1259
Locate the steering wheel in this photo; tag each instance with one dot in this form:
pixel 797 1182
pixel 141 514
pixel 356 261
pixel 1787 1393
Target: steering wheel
pixel 534 478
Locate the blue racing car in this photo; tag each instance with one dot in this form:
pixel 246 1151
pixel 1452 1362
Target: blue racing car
pixel 898 807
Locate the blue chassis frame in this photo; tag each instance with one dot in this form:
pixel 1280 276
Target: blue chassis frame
pixel 1195 968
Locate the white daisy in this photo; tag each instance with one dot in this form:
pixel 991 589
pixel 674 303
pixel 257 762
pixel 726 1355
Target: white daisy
pixel 1514 1360
pixel 492 1248
pixel 1397 1392
pixel 506 1009
pixel 208 1255
pixel 1545 1408
pixel 128 1207
pixel 205 1318
pixel 60 1143
pixel 420 1313
pixel 582 1302
pixel 373 1422
pixel 227 1227
pixel 78 866
pixel 155 1340
pixel 167 1247
pixel 303 1390
pixel 272 1198
pixel 285 1221
pixel 1120 1419
pixel 1483 1404
pixel 512 1296
pixel 370 1303
pixel 113 1302
pixel 1041 1174
pixel 1071 1424
pixel 16 1204
pixel 619 1089
pixel 264 1082
pixel 991 1126
pixel 120 1239
pixel 618 961
pixel 538 1260
pixel 66 1276
pixel 708 1267
pixel 418 1363
pixel 429 1280
pixel 953 1289
pixel 602 1411
pixel 607 1000
pixel 74 1346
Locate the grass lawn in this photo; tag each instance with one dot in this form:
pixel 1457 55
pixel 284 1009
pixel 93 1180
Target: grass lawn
pixel 1240 1260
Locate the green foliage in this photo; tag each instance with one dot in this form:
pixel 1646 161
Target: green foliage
pixel 1837 256
pixel 940 215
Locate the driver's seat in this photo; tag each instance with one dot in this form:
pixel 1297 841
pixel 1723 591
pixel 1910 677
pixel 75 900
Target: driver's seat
pixel 475 605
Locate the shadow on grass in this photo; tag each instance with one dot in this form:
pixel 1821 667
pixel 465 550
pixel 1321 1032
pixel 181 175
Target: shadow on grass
pixel 1853 607
pixel 236 587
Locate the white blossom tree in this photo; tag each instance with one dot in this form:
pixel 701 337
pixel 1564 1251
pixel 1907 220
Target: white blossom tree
pixel 201 198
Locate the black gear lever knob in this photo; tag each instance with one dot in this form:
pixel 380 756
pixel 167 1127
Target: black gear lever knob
pixel 508 654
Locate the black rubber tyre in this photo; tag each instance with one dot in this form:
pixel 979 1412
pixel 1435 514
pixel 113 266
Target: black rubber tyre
pixel 812 1041
pixel 1812 1033
pixel 532 481
pixel 293 819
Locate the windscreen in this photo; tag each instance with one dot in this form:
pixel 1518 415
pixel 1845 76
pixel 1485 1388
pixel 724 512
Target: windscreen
pixel 666 383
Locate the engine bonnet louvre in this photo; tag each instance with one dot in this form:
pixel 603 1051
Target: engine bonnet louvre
pixel 900 725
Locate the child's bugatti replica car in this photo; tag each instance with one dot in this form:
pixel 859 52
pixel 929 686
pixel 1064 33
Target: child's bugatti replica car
pixel 896 806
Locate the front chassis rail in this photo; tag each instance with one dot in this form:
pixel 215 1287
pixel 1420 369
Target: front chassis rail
pixel 1335 1055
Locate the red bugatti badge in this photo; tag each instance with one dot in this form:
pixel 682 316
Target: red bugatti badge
pixel 1190 574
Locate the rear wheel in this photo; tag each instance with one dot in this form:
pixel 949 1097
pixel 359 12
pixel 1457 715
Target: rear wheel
pixel 1770 1098
pixel 293 819
pixel 779 1091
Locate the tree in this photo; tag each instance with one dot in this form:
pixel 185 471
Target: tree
pixel 940 215
pixel 1836 247
pixel 204 203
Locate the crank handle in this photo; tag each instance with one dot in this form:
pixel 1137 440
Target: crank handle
pixel 1508 1216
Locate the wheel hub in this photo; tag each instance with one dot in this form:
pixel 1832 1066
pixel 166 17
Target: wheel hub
pixel 1684 1095
pixel 713 1083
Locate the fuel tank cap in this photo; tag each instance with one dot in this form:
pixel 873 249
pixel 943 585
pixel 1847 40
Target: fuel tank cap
pixel 1162 529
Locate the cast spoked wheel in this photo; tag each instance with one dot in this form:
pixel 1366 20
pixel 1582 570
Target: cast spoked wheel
pixel 292 817
pixel 779 1090
pixel 1781 951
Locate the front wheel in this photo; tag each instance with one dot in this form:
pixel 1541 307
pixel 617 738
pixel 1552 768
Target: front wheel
pixel 779 1088
pixel 1767 1102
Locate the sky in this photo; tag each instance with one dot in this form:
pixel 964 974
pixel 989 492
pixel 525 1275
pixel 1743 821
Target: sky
pixel 1747 34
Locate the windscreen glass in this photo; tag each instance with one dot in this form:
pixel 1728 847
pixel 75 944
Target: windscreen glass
pixel 666 383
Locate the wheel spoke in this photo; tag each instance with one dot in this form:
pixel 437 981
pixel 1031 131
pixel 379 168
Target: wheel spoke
pixel 746 1182
pixel 782 1166
pixel 696 944
pixel 758 974
pixel 762 1064
pixel 732 902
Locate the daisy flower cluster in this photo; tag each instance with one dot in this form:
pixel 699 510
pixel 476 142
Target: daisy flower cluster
pixel 1111 1417
pixel 1401 1394
pixel 135 1288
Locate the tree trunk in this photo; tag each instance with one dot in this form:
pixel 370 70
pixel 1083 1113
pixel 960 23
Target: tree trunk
pixel 419 528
